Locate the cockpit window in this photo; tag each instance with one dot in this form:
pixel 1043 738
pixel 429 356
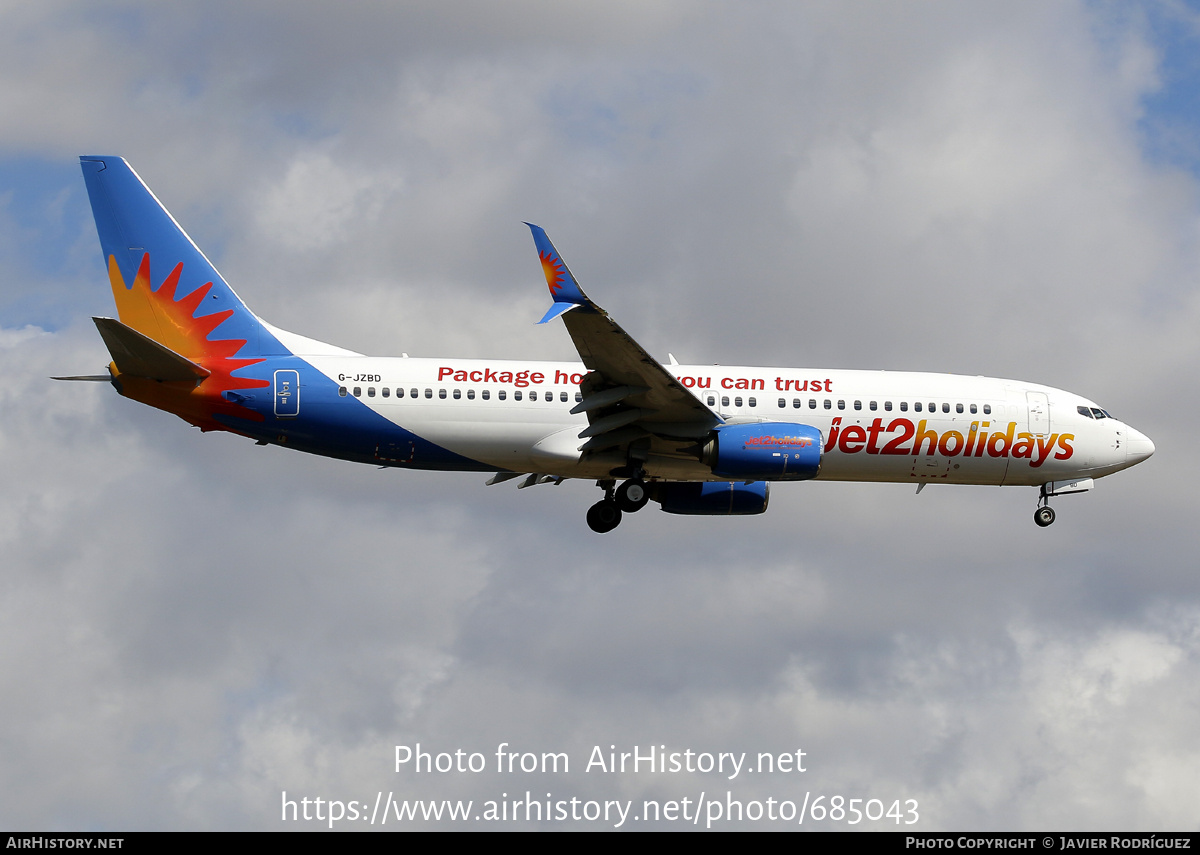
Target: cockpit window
pixel 1084 411
pixel 1098 413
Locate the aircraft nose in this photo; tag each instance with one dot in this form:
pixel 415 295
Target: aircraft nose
pixel 1138 447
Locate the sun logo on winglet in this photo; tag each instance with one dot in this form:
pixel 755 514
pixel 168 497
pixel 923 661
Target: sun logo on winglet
pixel 555 272
pixel 171 321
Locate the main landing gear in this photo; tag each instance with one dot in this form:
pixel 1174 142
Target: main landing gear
pixel 1044 515
pixel 630 497
pixel 603 516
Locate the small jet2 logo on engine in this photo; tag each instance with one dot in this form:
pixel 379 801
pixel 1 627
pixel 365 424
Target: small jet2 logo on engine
pixel 780 441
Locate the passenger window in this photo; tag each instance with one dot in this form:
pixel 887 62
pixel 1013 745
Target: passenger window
pixel 486 394
pixel 753 402
pixel 796 403
pixel 987 409
pixel 457 394
pixel 737 402
pixel 974 409
pixel 428 393
pixel 470 394
pixel 342 391
pixel 945 408
pixel 783 403
pixel 828 404
pixel 517 395
pixel 874 406
pixel 812 404
pixel 412 393
pixel 385 391
pixel 887 405
pixel 917 407
pixel 501 394
pixel 904 406
pixel 724 400
pixel 533 396
pixel 442 394
pixel 841 405
pixel 562 396
pixel 858 405
pixel 370 391
pixel 958 408
pixel 578 397
pixel 712 401
pixel 358 391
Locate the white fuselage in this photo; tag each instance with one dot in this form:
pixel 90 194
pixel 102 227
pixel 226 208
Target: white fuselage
pixel 876 425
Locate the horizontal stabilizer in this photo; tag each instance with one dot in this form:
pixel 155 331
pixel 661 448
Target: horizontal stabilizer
pixel 139 356
pixel 94 378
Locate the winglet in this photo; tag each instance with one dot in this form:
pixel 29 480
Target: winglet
pixel 563 288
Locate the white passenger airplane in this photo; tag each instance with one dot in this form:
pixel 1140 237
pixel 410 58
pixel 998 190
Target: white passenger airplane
pixel 698 439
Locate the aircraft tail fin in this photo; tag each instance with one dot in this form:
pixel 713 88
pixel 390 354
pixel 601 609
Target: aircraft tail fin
pixel 164 286
pixel 185 342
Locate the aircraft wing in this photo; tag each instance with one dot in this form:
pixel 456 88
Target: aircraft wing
pixel 629 397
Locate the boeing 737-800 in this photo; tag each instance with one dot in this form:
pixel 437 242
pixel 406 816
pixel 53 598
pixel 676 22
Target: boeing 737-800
pixel 696 439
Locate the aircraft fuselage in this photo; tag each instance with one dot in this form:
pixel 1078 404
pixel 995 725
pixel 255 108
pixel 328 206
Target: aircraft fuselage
pixel 495 415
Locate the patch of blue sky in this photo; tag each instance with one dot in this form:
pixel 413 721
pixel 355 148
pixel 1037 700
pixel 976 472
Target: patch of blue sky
pixel 583 118
pixel 42 197
pixel 1170 123
pixel 631 110
pixel 298 125
pixel 44 218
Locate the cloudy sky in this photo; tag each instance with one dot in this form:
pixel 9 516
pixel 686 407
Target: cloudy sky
pixel 191 625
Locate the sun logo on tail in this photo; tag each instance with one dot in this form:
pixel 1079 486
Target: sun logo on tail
pixel 172 322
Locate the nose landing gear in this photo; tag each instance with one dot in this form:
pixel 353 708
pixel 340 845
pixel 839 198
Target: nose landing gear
pixel 1044 515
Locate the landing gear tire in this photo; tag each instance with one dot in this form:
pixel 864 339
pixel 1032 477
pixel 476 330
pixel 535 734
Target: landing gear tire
pixel 603 516
pixel 632 496
pixel 1044 516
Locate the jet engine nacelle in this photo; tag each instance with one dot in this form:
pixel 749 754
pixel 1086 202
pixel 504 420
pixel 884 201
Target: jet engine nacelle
pixel 712 498
pixel 768 451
